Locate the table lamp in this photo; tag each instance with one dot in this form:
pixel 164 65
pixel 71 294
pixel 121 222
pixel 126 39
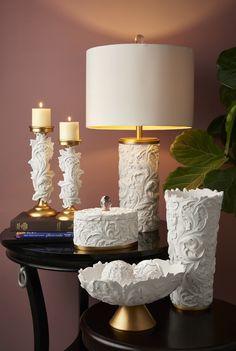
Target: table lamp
pixel 140 87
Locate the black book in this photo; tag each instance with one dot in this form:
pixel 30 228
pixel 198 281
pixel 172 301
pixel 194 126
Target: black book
pixel 24 223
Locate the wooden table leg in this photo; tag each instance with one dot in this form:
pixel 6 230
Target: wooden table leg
pixel 83 300
pixel 78 345
pixel 29 278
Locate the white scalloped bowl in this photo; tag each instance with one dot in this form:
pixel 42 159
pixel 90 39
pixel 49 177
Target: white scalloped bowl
pixel 136 292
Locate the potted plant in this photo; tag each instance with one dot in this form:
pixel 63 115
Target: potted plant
pixel 209 157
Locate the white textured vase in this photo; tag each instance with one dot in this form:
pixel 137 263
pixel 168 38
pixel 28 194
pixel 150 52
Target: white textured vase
pixel 193 222
pixel 139 182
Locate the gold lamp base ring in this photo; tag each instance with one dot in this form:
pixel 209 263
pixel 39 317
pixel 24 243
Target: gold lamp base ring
pixel 132 318
pixel 135 141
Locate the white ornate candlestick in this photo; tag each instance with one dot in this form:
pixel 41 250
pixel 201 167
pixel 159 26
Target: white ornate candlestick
pixel 41 175
pixel 69 163
pixel 193 222
pixel 139 181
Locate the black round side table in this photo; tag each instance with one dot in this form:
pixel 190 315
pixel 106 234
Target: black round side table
pixel 211 330
pixel 58 255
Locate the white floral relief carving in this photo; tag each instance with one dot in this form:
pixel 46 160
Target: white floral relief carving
pixel 145 288
pixel 192 222
pixel 69 163
pixel 139 182
pixel 102 231
pixel 41 174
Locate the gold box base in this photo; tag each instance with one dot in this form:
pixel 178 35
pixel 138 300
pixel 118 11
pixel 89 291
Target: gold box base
pixel 105 248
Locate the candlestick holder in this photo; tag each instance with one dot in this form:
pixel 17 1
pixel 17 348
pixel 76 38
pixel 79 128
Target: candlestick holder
pixel 69 163
pixel 41 174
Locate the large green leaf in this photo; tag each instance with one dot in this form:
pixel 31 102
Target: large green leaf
pixel 224 180
pixel 226 68
pixel 227 95
pixel 217 128
pixel 197 148
pixel 197 151
pixel 185 177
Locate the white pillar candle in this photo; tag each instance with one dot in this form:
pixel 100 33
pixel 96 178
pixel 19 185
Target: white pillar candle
pixel 69 131
pixel 41 117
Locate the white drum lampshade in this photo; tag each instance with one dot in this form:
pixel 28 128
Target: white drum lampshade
pixel 142 87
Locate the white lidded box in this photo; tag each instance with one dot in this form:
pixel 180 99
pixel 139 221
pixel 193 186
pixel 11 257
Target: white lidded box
pixel 95 228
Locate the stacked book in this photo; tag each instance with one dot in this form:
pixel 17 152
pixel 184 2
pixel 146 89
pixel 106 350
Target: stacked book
pixel 29 228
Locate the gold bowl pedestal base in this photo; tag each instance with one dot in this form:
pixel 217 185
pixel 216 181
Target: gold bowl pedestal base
pixel 42 209
pixel 67 214
pixel 132 318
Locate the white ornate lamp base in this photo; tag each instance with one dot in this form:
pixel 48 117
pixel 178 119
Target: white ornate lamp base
pixel 139 182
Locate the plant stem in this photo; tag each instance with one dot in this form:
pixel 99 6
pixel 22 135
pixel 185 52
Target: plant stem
pixel 229 123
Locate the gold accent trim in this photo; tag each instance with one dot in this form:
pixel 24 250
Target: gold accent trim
pixel 107 248
pixel 139 138
pixel 132 318
pixel 69 142
pixel 139 132
pixel 45 130
pixel 185 308
pixel 132 141
pixel 67 214
pixel 134 127
pixel 22 226
pixel 42 209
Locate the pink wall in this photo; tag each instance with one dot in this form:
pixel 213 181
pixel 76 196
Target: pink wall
pixel 43 46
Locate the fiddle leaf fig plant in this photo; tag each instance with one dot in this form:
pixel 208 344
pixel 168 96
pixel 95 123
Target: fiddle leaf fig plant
pixel 198 153
pixel 206 162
